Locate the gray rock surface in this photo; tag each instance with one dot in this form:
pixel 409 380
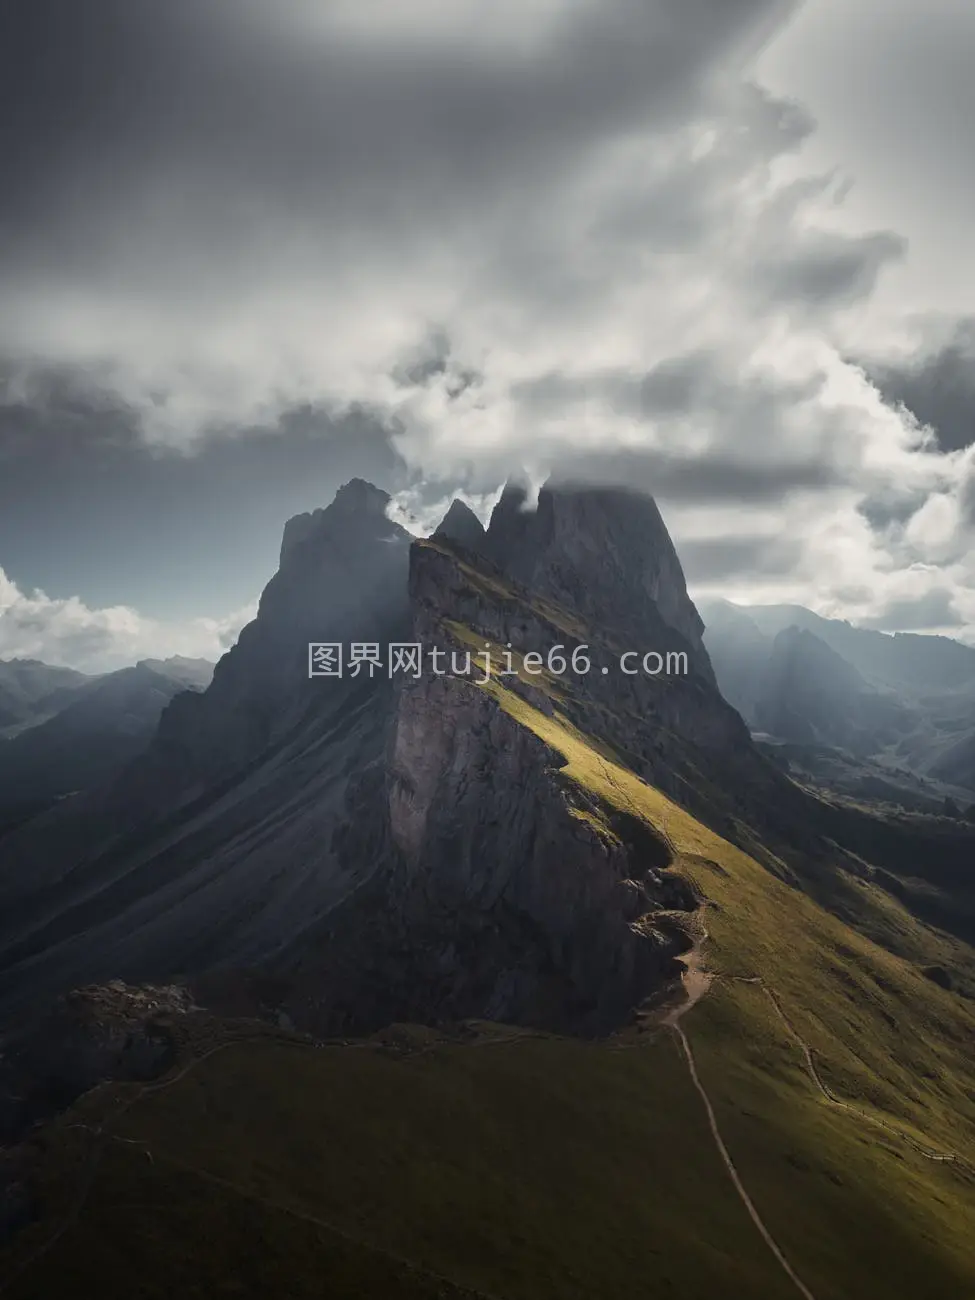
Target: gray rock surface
pixel 606 553
pixel 87 1036
pixel 460 524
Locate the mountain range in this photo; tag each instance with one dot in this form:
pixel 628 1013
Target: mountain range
pixel 548 980
pixel 869 712
pixel 72 731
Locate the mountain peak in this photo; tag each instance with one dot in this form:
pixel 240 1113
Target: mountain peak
pixel 604 550
pixel 358 494
pixel 461 524
pixel 355 500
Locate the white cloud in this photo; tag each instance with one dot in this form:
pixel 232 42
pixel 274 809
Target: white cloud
pixel 67 632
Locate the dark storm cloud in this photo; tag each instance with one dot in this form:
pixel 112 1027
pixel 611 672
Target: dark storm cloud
pixel 115 109
pixel 937 386
pixel 433 360
pixel 966 497
pixel 746 460
pixel 932 610
pixel 231 227
pixel 86 508
pixel 704 480
pixel 714 560
pixel 696 385
pixel 54 411
pixel 890 508
pixel 831 271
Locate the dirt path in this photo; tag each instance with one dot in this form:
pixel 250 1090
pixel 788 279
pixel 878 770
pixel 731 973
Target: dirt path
pixel 695 983
pixel 746 1200
pixel 948 1157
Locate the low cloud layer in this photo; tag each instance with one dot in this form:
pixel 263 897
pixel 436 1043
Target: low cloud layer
pixel 581 238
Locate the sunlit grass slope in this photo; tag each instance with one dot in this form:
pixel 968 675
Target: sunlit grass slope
pixel 885 1038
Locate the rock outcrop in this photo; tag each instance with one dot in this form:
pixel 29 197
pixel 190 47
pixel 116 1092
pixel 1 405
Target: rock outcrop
pixel 607 554
pixel 461 525
pixel 87 1036
pixel 508 890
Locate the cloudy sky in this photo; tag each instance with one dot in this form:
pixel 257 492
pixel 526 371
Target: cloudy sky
pixel 720 248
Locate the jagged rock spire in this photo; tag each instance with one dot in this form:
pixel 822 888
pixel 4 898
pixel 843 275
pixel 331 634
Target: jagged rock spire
pixel 461 524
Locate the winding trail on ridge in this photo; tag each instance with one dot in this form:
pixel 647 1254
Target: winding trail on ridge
pixel 946 1157
pixel 695 982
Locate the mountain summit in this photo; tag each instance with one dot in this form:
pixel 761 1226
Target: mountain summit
pixel 605 552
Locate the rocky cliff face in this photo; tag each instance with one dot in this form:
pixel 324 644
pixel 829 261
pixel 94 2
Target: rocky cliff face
pixel 342 578
pixel 674 725
pixel 91 1034
pixel 484 825
pixel 508 891
pixel 604 552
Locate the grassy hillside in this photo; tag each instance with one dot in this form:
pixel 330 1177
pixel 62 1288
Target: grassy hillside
pixel 530 1167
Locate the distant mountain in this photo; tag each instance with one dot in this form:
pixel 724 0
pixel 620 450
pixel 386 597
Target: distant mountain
pixel 810 693
pixel 905 700
pixel 739 651
pixel 956 764
pixel 195 674
pixel 906 660
pixel 97 729
pixel 31 691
